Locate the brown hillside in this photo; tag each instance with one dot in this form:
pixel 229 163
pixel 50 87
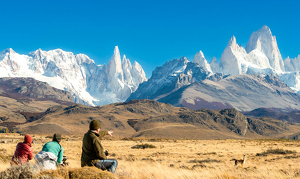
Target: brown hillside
pixel 152 119
pixel 27 89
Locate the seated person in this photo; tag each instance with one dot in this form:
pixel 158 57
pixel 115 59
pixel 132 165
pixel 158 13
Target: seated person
pixel 92 149
pixel 51 154
pixel 23 152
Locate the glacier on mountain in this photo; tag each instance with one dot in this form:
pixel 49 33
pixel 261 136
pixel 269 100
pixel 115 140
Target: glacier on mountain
pixel 88 83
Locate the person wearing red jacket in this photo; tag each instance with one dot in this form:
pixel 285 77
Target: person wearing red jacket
pixel 23 152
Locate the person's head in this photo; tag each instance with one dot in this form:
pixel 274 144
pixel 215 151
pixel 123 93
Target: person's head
pixel 57 137
pixel 27 139
pixel 95 125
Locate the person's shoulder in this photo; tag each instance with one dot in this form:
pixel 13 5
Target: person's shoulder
pixel 26 146
pixel 92 134
pixel 20 146
pixel 47 143
pixel 51 144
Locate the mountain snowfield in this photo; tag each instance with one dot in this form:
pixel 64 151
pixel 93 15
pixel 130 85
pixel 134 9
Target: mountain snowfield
pixel 88 83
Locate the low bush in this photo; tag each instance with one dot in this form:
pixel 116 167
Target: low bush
pixel 208 153
pixel 276 151
pixel 204 161
pixel 143 146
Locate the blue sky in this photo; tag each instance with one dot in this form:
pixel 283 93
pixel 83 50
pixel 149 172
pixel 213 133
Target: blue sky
pixel 150 32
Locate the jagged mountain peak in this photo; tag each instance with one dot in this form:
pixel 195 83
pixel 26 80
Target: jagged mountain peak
pixel 115 64
pixel 214 60
pixel 214 65
pixel 232 41
pixel 261 40
pixel 116 50
pixel 199 57
pixel 60 52
pixel 184 59
pixel 200 60
pixel 39 52
pixel 126 61
pixel 265 30
pixel 8 50
pixel 200 53
pixel 264 42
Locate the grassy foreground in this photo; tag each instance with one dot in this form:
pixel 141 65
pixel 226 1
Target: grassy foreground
pixel 155 158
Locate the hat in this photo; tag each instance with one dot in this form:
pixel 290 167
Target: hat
pixel 94 125
pixel 27 139
pixel 57 137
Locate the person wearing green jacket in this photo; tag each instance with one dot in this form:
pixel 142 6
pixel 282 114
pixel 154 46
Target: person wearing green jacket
pixel 51 154
pixel 93 153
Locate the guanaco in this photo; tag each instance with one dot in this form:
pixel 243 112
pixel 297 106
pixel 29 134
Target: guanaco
pixel 242 162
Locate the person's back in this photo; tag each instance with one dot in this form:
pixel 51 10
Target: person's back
pixel 55 148
pixel 23 152
pixel 51 154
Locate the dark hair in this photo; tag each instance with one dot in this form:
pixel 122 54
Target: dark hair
pixel 57 137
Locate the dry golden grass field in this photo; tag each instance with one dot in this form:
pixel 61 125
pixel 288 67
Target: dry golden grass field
pixel 180 158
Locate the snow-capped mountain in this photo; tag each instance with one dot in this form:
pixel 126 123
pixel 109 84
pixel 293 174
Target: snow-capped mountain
pixel 260 56
pixel 263 41
pixel 87 82
pixel 169 78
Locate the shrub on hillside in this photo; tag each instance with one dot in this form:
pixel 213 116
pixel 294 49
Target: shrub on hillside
pixel 204 161
pixel 143 146
pixel 276 151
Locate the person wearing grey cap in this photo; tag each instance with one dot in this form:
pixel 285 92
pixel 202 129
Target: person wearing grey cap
pixel 93 153
pixel 51 154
